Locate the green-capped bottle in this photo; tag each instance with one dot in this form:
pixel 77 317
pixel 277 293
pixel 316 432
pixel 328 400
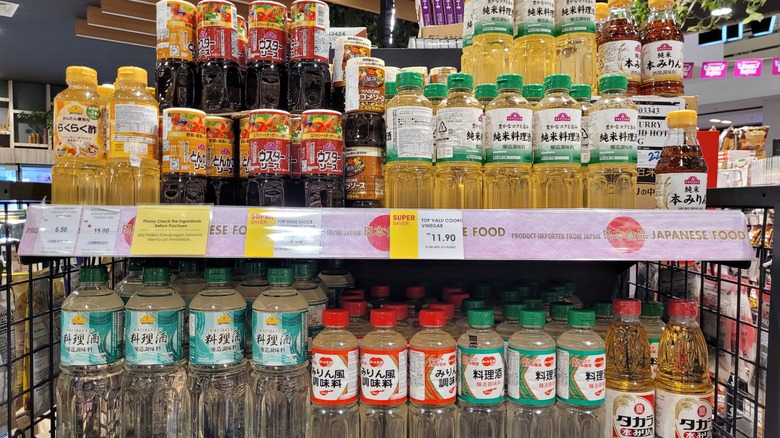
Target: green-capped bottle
pixel 485 93
pixel 533 93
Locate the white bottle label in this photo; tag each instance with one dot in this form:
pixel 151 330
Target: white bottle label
pixel 629 414
pixel 557 135
pixel 459 135
pixel 508 135
pixel 534 17
pixel 496 16
pixel 409 133
pixel 662 60
pixel 314 321
pixel 586 140
pixel 581 376
pixel 620 57
pixel 574 16
pixel 654 342
pixel 433 376
pixel 682 415
pixel 531 375
pixel 334 375
pixel 616 133
pixel 681 191
pixel 481 375
pixel 383 376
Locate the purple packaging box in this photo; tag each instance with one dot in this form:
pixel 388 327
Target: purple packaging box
pixel 438 12
pixel 449 11
pixel 458 10
pixel 424 14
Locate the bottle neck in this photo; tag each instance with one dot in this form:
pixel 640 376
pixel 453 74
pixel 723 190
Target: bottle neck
pixel 556 92
pixel 661 14
pixel 134 275
pixel 92 286
pixel 532 328
pixel 458 90
pixel 682 136
pixel 411 89
pixel 220 284
pixel 626 318
pixel 620 13
pixel 431 328
pixel 509 90
pixel 688 321
pixel 613 92
pixel 131 85
pixel 81 84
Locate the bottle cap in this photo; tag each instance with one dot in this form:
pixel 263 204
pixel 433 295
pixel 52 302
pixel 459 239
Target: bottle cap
pixel 435 90
pixel 472 303
pixel 188 266
pixel 660 4
pixel 432 318
pixel 77 73
pixel 303 270
pixel 652 308
pixel 603 308
pixel 509 81
pixel 280 276
pixel 481 291
pixel 510 296
pixel 355 307
pixel 217 275
pixel 457 299
pixel 401 309
pixel 523 292
pixel 560 309
pixel 627 306
pixel 460 80
pixel 134 265
pixel 532 318
pixel 415 292
pixel 602 11
pixel 380 291
pixel 447 308
pixel 157 274
pixel 349 296
pixel 582 318
pixel 618 3
pixel 534 304
pixel 557 82
pixel 512 310
pixel 255 267
pixel 408 79
pixel 383 318
pixel 105 91
pixel 335 318
pixel 533 91
pixel 612 82
pixel 549 297
pixel 486 91
pixel 390 88
pixel 580 91
pixel 480 318
pixel 93 274
pixel 683 308
pixel 570 286
pixel 449 290
pixel 681 118
pixel 131 74
pixel 356 291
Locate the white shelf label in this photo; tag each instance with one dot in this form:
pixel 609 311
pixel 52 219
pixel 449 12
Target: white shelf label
pixel 97 231
pixel 58 230
pixel 440 234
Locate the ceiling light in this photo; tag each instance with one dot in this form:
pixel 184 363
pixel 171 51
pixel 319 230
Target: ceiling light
pixel 7 9
pixel 714 120
pixel 726 122
pixel 719 12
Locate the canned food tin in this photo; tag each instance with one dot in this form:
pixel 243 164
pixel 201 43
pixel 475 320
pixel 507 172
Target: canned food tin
pixel 269 142
pixel 365 85
pixel 220 137
pixel 217 30
pixel 176 30
pixel 322 143
pixel 267 31
pixel 184 141
pixel 243 147
pixel 309 42
pixel 347 47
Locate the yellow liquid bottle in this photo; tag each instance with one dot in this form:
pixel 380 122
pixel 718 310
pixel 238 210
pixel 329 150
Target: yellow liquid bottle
pixel 533 50
pixel 435 93
pixel 557 146
pixel 467 56
pixel 408 174
pixel 630 392
pixel 575 45
pixel 493 32
pixel 582 94
pixel 509 152
pixel 458 173
pixel 652 311
pixel 533 93
pixel 79 172
pixel 620 46
pixel 611 177
pixel 683 391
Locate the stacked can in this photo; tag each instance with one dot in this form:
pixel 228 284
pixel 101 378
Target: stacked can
pixel 322 159
pixel 266 75
pixel 346 48
pixel 269 159
pixel 220 74
pixel 309 78
pixel 176 73
pixel 184 155
pixel 220 166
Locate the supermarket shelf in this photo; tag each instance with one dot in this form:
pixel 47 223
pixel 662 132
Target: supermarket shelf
pixel 32 145
pixel 24 191
pixel 744 197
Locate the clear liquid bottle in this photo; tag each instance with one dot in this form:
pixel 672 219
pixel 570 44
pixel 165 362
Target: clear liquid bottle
pixel 481 387
pixel 508 147
pixel 252 286
pixel 334 379
pixel 557 146
pixel 575 45
pixel 559 319
pixel 279 379
pixel 187 284
pixel 580 360
pixel 683 391
pixel 358 324
pixel 630 392
pixel 449 314
pixel 415 299
pixel 402 324
pixel 620 46
pixel 154 388
pixel 79 174
pixel 533 93
pixel 534 304
pixel 91 352
pixel 485 93
pixel 533 50
pixel 571 297
pixel 309 290
pixel 458 128
pixel 132 281
pixel 433 372
pixel 467 56
pixel 604 316
pixel 652 311
pixel 435 93
pixel 493 35
pixel 531 375
pixel 681 173
pixel 380 294
pixel 662 51
pixel 511 323
pixel 408 173
pixel 383 352
pixel 582 94
pixel 217 371
pixel 466 305
pixel 337 279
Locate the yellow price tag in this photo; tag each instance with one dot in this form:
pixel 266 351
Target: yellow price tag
pixel 403 234
pixel 171 230
pixel 259 228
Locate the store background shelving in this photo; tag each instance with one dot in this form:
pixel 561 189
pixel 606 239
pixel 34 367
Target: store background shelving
pixel 18 97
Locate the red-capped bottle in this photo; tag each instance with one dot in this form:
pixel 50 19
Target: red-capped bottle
pixel 358 310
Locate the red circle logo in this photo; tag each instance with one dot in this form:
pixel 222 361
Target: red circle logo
pixel 378 233
pixel 326 362
pixel 376 362
pixel 127 231
pixel 625 234
pixel 451 360
pixel 550 361
pixel 599 362
pixel 639 409
pixel 702 411
pixel 488 361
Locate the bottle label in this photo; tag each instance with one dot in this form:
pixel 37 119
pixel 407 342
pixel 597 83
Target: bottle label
pixel 531 376
pixel 133 130
pixel 183 142
pixel 243 146
pixel 587 142
pixel 309 43
pixel 409 133
pixel 365 85
pixel 575 16
pixel 629 414
pixel 321 144
pixel 217 34
pixel 508 133
pixel 92 338
pixel 468 22
pixel 620 57
pixel 365 173
pixel 662 61
pixel 334 376
pixel 315 319
pixel 534 17
pixel 459 135
pixel 495 16
pixel 481 375
pixel 383 376
pixel 616 135
pixel 347 48
pixel 175 30
pixel 269 142
pixel 77 130
pixel 217 338
pixel 220 139
pixel 581 376
pixel 295 146
pixel 154 337
pixel 310 14
pixel 267 25
pixel 682 415
pixel 681 191
pixel 279 338
pixel 433 376
pixel 557 135
pixel 654 343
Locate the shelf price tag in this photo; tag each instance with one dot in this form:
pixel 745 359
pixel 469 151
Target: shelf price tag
pixel 57 231
pixel 97 231
pixel 171 230
pixel 426 234
pixel 283 233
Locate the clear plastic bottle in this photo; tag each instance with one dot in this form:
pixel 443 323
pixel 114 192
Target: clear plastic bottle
pixel 358 324
pixel 559 319
pixel 467 57
pixel 620 46
pixel 402 324
pixel 602 12
pixel 662 51
pixel 534 304
pixel 154 388
pixel 91 352
pixel 456 299
pixel 482 413
pixel 582 94
pixel 511 323
pixel 580 359
pixel 253 284
pixel 466 305
pixel 492 41
pixel 485 93
pixel 408 173
pixel 533 93
pixel 533 50
pixel 435 93
pixel 415 299
pixel 187 284
pixel 508 147
pixel 576 41
pixel 217 372
pixel 279 380
pixel 571 297
pixel 458 134
pixel 383 379
pixel 380 294
pixel 612 174
pixel 132 281
pixel 683 391
pixel 531 375
pixel 433 374
pixel 334 379
pixel 337 279
pixel 652 311
pixel 630 393
pixel 681 173
pixel 309 290
pixel 604 316
pixel 557 174
pixel 449 313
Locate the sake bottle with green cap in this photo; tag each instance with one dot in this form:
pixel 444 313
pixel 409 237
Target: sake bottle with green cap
pixel 132 282
pixel 604 315
pixel 511 323
pixel 509 147
pixel 482 374
pixel 582 94
pixel 485 93
pixel 435 93
pixel 313 294
pixel 466 305
pixel 559 319
pixel 533 93
pixel 254 283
